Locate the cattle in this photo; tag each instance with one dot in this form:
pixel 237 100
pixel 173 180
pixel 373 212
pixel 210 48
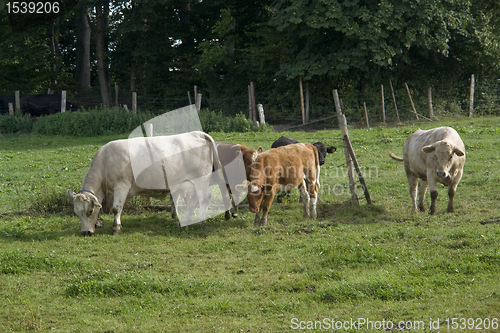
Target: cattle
pixel 4 103
pixel 320 146
pixel 39 105
pixel 122 169
pixel 432 156
pixel 284 168
pixel 231 155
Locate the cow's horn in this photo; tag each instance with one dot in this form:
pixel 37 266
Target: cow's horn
pixel 94 199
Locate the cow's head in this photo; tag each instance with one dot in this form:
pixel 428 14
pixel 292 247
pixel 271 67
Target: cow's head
pixel 442 154
pixel 249 156
pixel 86 206
pixel 323 150
pixel 255 196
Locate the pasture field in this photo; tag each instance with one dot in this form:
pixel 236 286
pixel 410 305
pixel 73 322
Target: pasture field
pixel 353 269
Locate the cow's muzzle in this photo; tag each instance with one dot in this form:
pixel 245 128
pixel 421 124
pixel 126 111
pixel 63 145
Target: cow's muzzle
pixel 87 233
pixel 254 209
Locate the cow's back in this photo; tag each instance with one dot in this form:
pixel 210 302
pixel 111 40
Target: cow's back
pixel 290 159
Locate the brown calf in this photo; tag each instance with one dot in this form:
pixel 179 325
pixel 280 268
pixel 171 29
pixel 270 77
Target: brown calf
pixel 284 168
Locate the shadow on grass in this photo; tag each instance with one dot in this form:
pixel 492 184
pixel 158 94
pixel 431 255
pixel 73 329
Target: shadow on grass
pixel 349 213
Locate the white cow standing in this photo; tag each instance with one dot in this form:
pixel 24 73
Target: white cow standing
pixel 180 165
pixel 432 156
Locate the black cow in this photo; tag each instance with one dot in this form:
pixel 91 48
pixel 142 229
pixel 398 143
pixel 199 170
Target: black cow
pixel 4 103
pixel 322 148
pixel 38 105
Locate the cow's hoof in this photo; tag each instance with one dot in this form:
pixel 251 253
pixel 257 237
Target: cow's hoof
pixel 99 223
pixel 116 230
pixel 227 215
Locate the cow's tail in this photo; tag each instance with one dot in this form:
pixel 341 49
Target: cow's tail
pixel 396 157
pixel 316 160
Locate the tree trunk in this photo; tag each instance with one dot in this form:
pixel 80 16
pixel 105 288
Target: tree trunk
pixel 54 48
pixel 82 71
pixel 99 30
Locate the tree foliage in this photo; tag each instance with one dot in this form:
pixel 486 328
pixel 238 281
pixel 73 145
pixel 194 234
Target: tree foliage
pixel 161 48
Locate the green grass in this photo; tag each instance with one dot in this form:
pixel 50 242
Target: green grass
pixel 378 262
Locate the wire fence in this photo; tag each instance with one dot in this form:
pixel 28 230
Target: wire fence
pixel 450 100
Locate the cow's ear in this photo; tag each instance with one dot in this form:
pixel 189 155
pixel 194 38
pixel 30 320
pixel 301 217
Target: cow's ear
pixel 331 149
pixel 458 151
pixel 70 194
pixel 259 150
pixel 428 149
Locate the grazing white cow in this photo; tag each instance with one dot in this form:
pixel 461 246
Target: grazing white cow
pixel 180 165
pixel 432 156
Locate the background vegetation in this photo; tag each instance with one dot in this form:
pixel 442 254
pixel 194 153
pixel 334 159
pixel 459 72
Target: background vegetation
pixel 162 48
pixel 379 262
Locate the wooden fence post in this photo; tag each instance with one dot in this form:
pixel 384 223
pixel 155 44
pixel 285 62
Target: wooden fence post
pixel 134 102
pixel 302 102
pixel 11 109
pixel 343 129
pixel 198 102
pixel 429 102
pixel 116 95
pixel 63 101
pixel 411 100
pixel 394 99
pixel 383 103
pixel 252 101
pixel 471 98
pixel 18 101
pixel 358 170
pixel 307 102
pixel 366 115
pixel 262 118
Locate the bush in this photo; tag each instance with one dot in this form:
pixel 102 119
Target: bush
pixel 212 121
pixel 15 124
pixel 105 121
pixel 90 123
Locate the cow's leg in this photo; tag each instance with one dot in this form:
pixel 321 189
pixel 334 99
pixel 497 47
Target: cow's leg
pixel 203 193
pixel 434 192
pixel 265 206
pixel 173 206
pixel 191 203
pixel 304 196
pixel 313 195
pixel 413 183
pixel 422 188
pixel 256 221
pixel 451 191
pixel 119 197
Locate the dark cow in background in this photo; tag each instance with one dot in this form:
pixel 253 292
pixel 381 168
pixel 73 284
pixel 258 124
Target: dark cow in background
pixel 320 146
pixel 39 105
pixel 4 103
